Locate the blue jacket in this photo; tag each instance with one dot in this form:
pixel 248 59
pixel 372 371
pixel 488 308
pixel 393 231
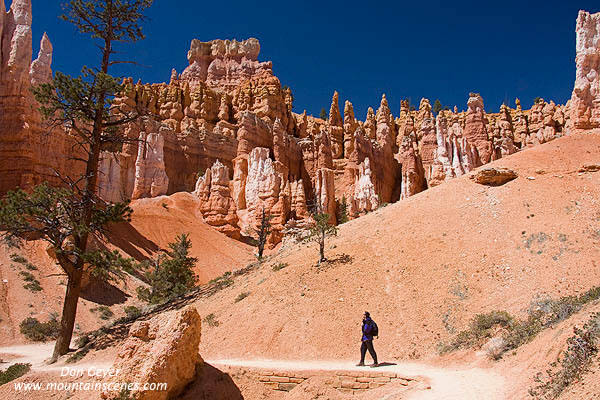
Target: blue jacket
pixel 367 329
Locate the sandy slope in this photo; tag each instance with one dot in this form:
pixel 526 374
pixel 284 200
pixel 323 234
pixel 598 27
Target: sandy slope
pixel 157 222
pixel 425 266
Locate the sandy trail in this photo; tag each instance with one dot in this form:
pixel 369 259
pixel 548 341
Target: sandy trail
pixel 446 383
pixel 38 354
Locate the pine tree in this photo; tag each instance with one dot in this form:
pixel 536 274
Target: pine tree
pixel 172 274
pixel 263 232
pixel 323 114
pixel 342 210
pixel 437 106
pixel 321 229
pixel 71 217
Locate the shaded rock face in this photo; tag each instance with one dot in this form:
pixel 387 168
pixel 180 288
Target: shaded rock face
pixel 216 204
pixel 163 349
pixel 585 100
pixel 138 171
pixel 227 119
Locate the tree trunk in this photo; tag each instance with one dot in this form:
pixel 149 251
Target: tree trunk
pixel 74 285
pixel 67 321
pixel 322 249
pixel 261 249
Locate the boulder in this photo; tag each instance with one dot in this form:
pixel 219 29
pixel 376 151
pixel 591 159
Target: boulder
pixel 493 176
pixel 163 349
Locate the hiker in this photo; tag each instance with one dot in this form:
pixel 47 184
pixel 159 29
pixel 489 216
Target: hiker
pixel 369 329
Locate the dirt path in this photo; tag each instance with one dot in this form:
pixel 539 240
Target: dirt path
pixel 446 383
pixel 38 354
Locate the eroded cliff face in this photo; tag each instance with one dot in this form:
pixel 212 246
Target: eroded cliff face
pixel 224 128
pixel 25 159
pixel 585 101
pixel 228 111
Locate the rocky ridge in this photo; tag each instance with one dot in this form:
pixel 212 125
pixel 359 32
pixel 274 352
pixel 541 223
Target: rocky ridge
pixel 224 129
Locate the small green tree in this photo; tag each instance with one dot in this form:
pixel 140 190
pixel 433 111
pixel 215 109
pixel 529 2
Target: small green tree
pixel 323 114
pixel 321 229
pixel 437 106
pixel 171 274
pixel 537 100
pixel 262 233
pixel 342 210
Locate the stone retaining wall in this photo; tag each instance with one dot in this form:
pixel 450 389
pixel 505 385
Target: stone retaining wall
pixel 348 381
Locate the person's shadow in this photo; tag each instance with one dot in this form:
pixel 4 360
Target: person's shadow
pixel 385 364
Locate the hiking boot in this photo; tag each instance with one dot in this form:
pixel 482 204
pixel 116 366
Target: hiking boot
pixel 374 365
pixel 360 364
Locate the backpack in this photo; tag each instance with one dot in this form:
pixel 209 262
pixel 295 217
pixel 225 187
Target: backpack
pixel 374 329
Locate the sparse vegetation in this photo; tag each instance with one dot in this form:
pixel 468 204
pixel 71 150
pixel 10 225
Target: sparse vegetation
pixel 482 327
pixel 165 206
pixel 211 320
pixel 18 259
pixel 542 314
pixel 262 233
pixel 242 296
pixel 321 229
pixel 33 285
pixel 132 312
pixel 13 372
pixel 104 312
pixel 381 203
pixel 280 266
pixel 342 210
pixel 124 394
pixel 82 341
pixel 437 106
pixel 171 274
pixel 40 331
pixel 77 356
pixel 223 281
pixel 323 114
pixel 570 366
pixel 23 261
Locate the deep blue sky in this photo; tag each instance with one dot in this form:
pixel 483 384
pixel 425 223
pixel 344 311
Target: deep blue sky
pixel 406 49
